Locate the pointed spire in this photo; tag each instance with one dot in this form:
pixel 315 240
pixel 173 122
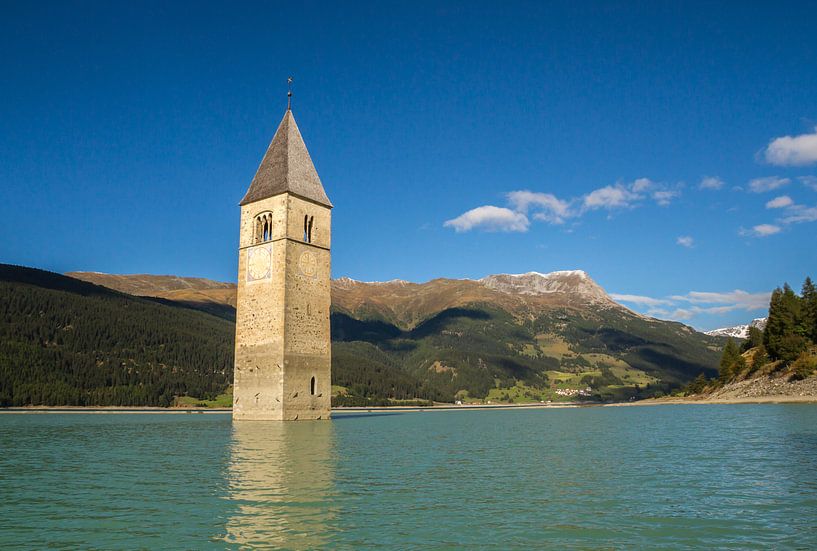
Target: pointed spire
pixel 287 168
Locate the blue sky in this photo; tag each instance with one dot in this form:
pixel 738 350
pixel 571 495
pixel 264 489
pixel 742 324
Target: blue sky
pixel 671 152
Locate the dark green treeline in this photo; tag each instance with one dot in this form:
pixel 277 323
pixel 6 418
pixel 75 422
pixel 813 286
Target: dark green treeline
pixel 67 342
pixel 789 341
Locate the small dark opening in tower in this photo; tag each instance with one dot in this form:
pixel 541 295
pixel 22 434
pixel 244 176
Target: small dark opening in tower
pixel 308 228
pixel 312 386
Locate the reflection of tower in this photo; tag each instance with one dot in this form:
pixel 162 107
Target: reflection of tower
pixel 282 345
pixel 281 478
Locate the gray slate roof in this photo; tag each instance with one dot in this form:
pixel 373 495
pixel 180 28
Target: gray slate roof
pixel 287 167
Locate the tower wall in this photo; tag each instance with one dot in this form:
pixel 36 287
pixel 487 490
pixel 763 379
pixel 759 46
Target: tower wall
pixel 307 343
pixel 282 315
pixel 259 340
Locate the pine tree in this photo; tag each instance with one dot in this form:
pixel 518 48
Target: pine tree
pixel 783 336
pixel 697 385
pixel 753 339
pixel 809 310
pixel 760 358
pixel 774 321
pixel 729 361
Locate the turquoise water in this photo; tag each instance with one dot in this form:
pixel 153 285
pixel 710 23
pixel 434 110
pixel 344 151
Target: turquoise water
pixel 704 476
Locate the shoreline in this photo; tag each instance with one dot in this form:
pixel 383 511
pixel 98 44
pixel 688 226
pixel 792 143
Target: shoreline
pixel 341 410
pixel 690 400
pixel 109 409
pixel 771 399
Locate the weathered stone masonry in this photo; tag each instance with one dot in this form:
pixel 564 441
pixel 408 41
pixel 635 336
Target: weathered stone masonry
pixel 282 348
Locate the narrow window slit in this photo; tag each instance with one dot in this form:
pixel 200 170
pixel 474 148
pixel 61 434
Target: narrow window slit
pixel 308 228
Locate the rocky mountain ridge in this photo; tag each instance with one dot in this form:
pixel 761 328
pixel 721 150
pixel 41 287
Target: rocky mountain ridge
pixel 214 297
pixel 399 301
pixel 738 331
pixel 575 282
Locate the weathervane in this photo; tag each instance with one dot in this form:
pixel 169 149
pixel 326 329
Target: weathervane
pixel 289 93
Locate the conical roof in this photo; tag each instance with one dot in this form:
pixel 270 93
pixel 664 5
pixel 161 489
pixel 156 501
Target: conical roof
pixel 287 167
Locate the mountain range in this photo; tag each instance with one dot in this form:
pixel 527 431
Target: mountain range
pixel 505 337
pixel 397 301
pixel 738 331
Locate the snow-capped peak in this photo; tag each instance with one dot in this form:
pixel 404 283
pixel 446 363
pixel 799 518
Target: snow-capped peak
pixel 348 282
pixel 550 275
pixel 738 331
pixel 536 283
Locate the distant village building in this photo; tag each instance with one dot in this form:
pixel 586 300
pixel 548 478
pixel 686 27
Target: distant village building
pixel 574 391
pixel 282 344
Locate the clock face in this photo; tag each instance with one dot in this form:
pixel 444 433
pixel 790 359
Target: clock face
pixel 308 264
pixel 258 263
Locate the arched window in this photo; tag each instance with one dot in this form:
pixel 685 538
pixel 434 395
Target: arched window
pixel 263 227
pixel 308 228
pixel 312 386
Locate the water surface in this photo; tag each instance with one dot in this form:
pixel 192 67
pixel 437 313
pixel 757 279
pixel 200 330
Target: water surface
pixel 706 476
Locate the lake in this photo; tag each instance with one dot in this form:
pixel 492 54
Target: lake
pixel 706 476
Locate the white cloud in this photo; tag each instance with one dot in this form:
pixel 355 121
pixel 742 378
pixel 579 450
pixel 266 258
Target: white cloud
pixel 665 197
pixel 621 196
pixel 641 300
pixel 780 202
pixel 696 303
pixel 792 214
pixel 735 300
pixel 692 311
pixel 809 181
pixel 759 185
pixel 685 241
pixel 526 205
pixel 799 213
pixel 761 230
pixel 553 209
pixel 490 218
pixel 681 314
pixel 711 182
pixel 793 150
pixel 610 197
pixel 642 184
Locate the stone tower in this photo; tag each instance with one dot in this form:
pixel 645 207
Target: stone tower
pixel 282 345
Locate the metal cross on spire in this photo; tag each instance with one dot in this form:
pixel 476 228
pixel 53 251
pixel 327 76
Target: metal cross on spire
pixel 289 93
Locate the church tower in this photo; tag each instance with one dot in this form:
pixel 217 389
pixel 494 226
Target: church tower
pixel 282 344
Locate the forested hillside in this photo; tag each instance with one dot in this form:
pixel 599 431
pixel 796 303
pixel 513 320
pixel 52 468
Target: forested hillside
pixel 68 342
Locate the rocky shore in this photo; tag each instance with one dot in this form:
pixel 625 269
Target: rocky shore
pixel 758 390
pixel 768 387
